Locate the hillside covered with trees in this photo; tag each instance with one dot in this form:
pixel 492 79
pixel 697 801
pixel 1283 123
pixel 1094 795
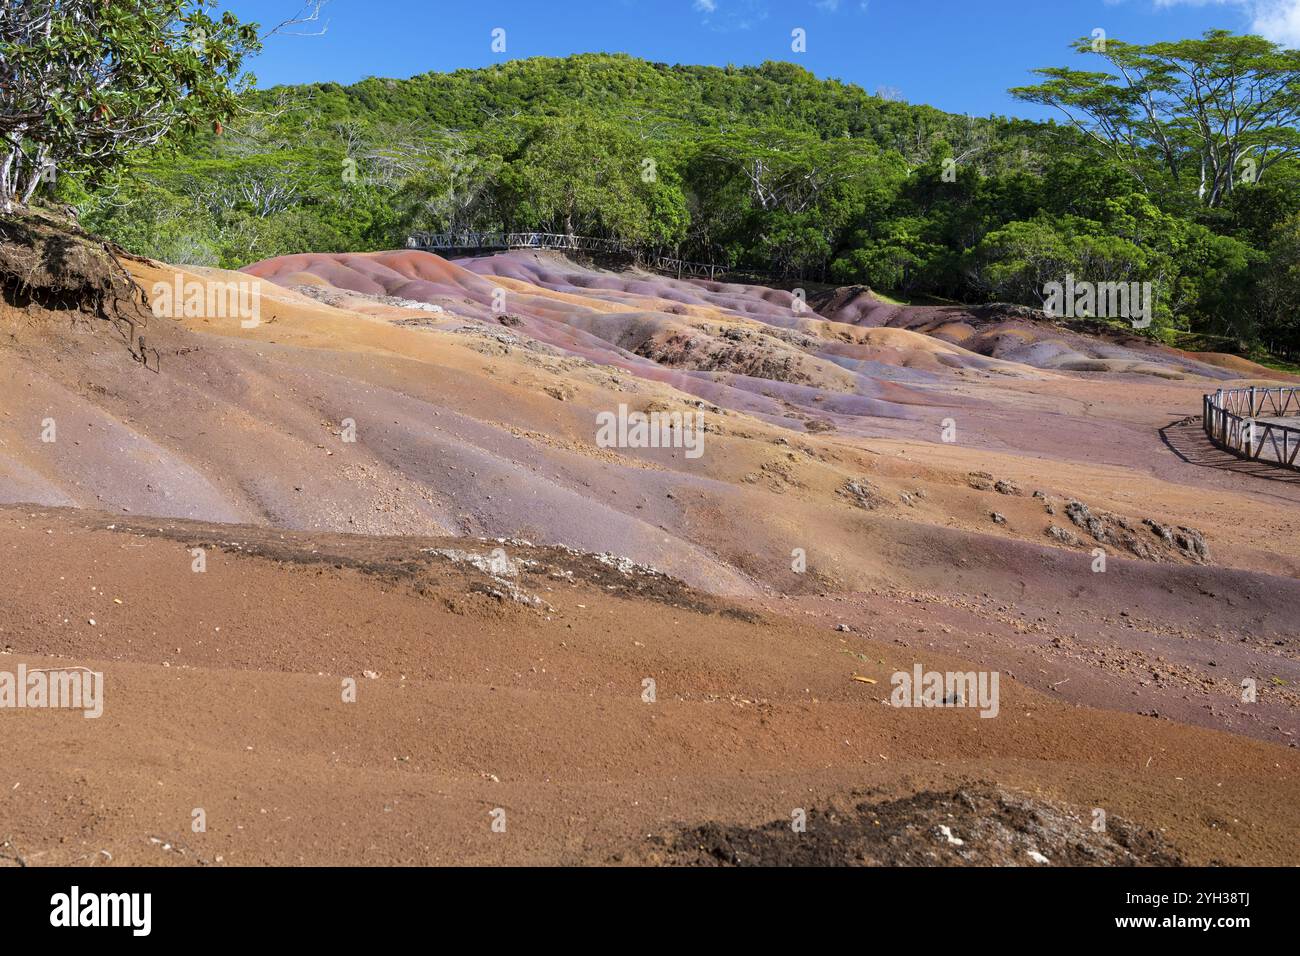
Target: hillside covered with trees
pixel 770 168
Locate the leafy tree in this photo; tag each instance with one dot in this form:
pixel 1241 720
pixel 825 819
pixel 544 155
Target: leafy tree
pixel 896 258
pixel 84 83
pixel 1254 213
pixel 1223 109
pixel 1278 291
pixel 1017 262
pixel 583 175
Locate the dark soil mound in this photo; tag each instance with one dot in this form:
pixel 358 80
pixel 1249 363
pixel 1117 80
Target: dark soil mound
pixel 979 825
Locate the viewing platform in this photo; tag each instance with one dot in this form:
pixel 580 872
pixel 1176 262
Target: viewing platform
pixel 1256 423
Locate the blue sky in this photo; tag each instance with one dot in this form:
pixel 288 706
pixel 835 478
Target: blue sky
pixel 958 55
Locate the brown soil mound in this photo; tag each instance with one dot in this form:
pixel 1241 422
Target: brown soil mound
pixel 49 262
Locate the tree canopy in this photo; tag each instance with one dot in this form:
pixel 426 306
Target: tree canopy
pixel 1218 111
pixel 771 169
pixel 84 83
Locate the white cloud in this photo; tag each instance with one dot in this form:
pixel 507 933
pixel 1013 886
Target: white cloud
pixel 1277 20
pixel 732 15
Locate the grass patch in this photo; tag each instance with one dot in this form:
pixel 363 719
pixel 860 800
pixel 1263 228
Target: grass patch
pixel 1204 342
pixel 899 298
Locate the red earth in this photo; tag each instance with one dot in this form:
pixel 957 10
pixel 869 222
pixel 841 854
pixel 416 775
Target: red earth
pixel 571 653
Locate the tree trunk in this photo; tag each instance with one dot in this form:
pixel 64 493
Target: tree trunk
pixel 35 174
pixel 6 182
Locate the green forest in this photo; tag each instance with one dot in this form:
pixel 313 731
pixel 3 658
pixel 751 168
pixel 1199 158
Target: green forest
pixel 1176 164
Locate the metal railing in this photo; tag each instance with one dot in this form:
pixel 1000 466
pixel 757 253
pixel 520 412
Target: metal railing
pixel 1237 420
pixel 515 240
pixel 501 241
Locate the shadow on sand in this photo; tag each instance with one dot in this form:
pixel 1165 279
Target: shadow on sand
pixel 1187 440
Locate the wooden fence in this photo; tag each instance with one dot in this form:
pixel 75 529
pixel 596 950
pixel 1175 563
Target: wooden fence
pixel 1238 421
